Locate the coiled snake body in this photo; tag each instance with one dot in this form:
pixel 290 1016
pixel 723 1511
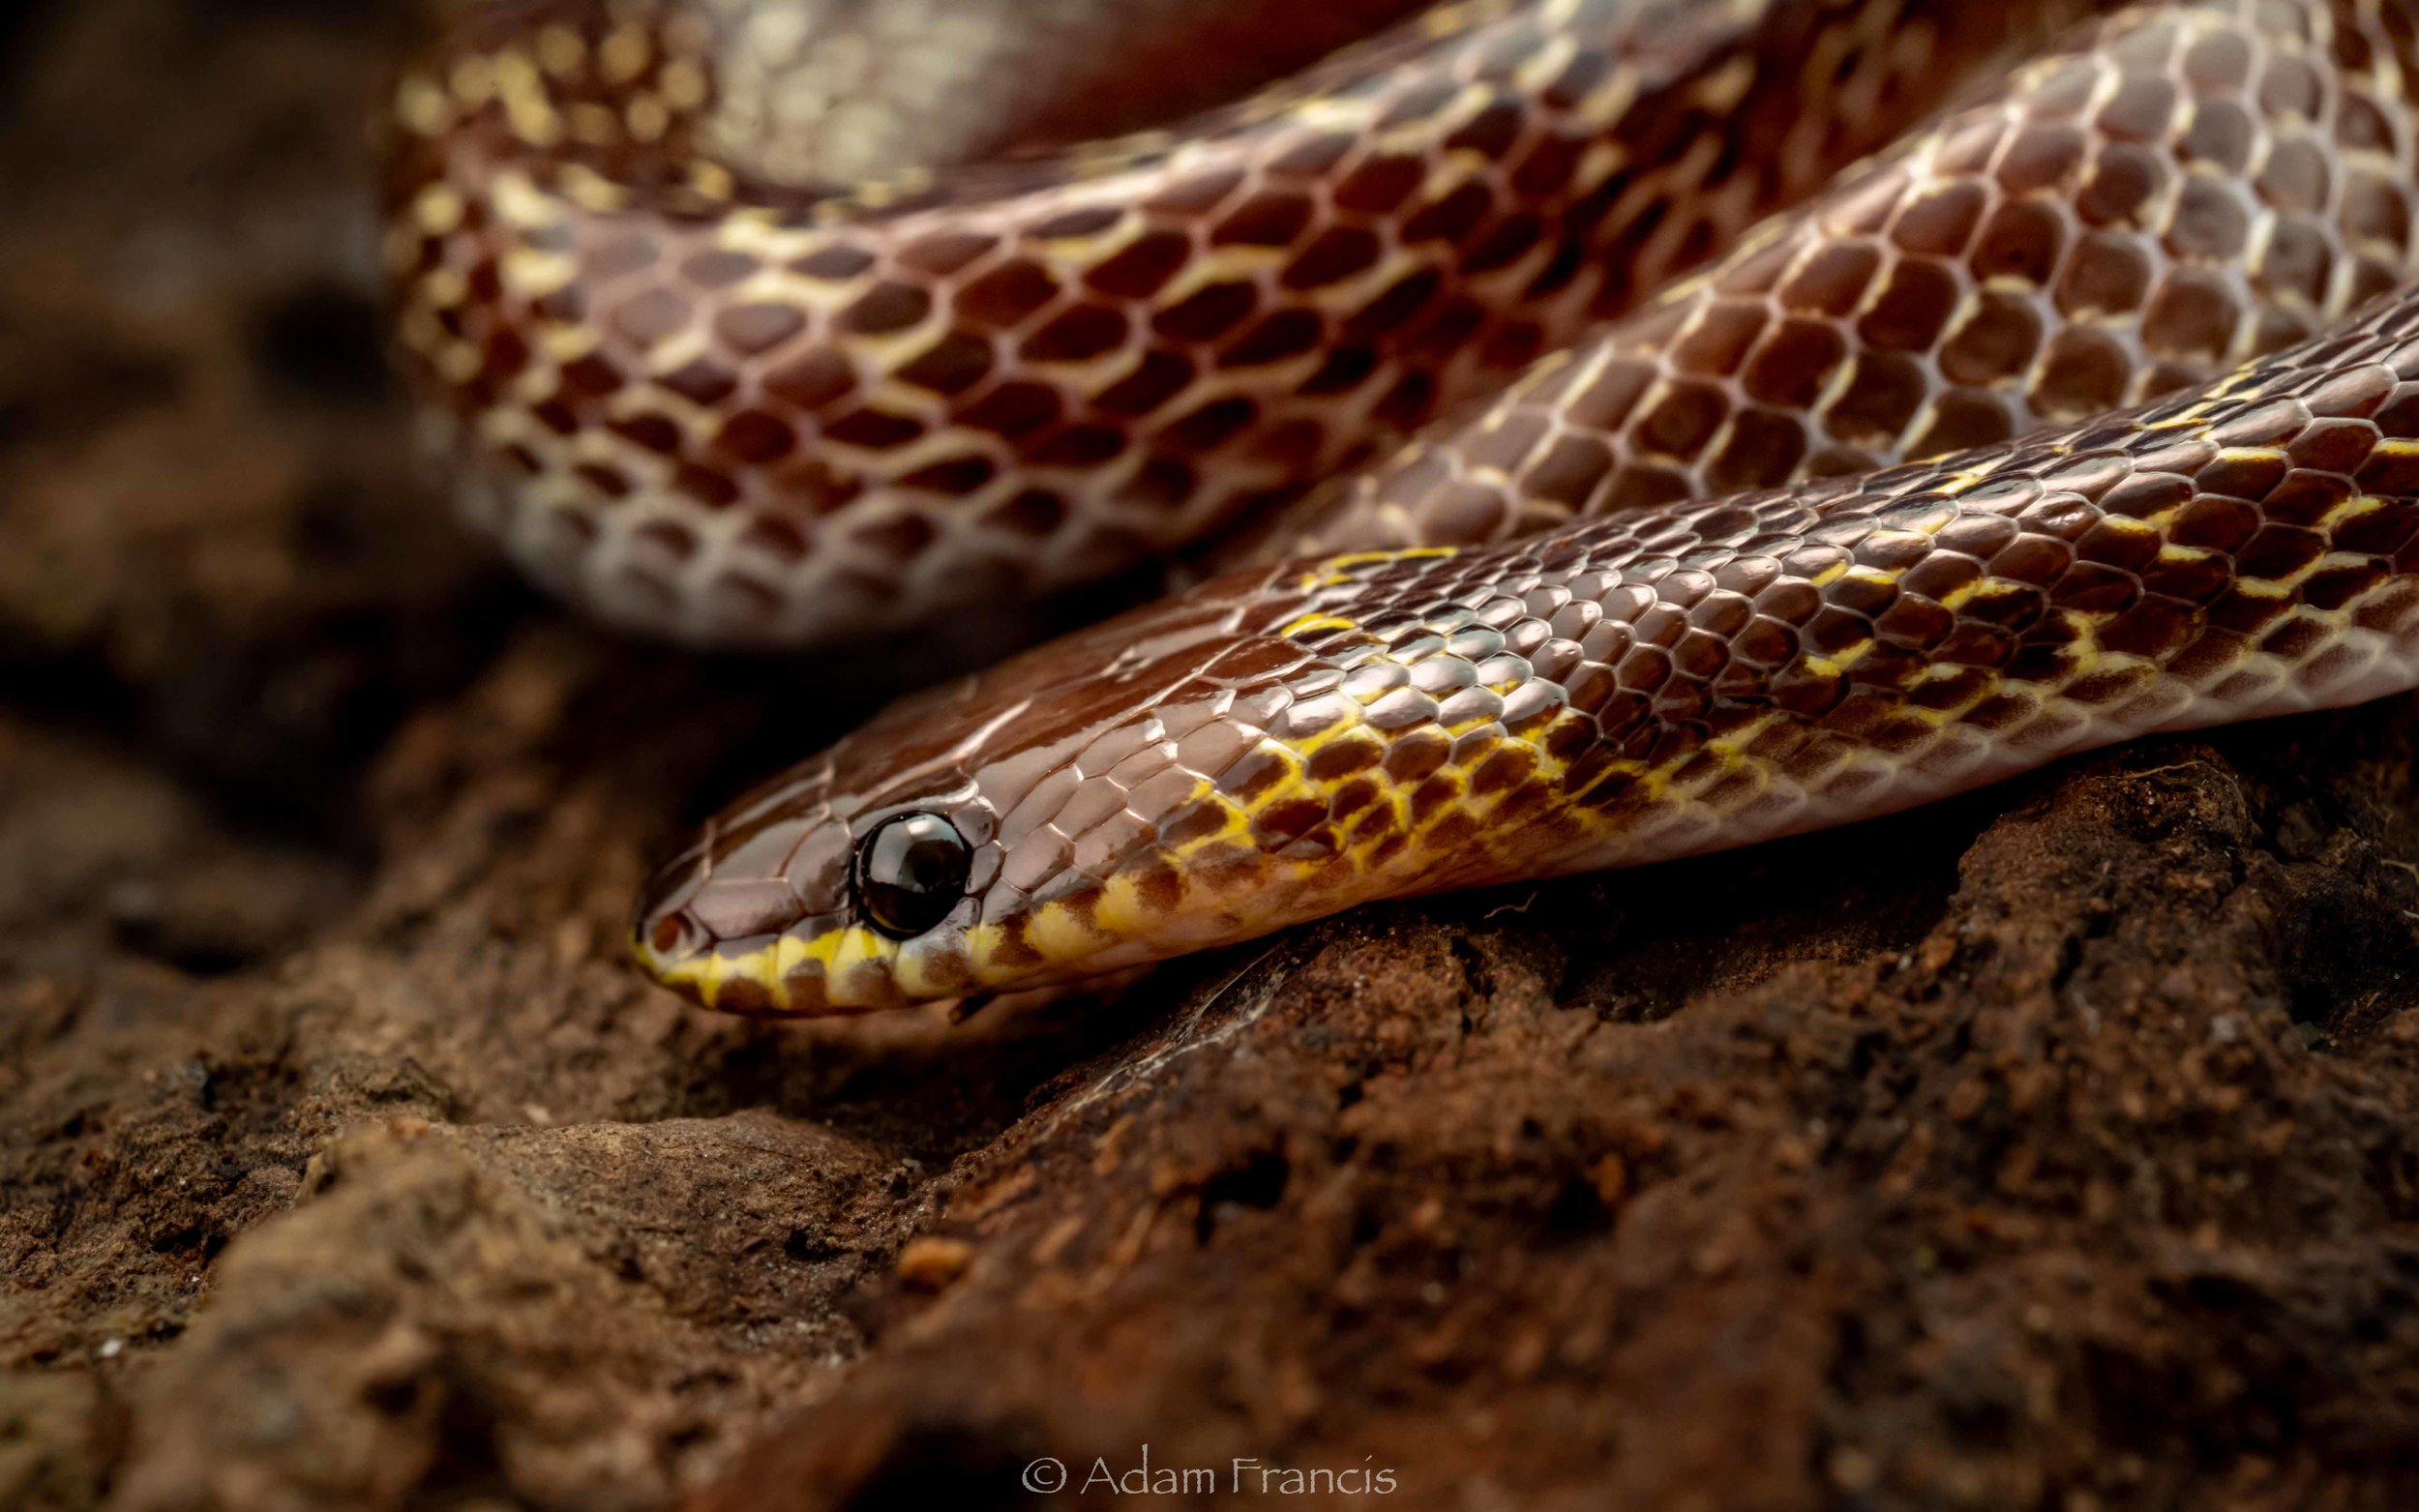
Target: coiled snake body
pixel 1554 632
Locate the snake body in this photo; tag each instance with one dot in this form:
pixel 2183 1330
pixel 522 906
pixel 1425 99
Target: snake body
pixel 1551 635
pixel 708 402
pixel 2166 195
pixel 1288 742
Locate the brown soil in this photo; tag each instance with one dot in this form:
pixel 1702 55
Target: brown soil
pixel 2053 1148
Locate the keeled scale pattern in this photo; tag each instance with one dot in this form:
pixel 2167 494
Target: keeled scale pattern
pixel 1285 743
pixel 707 405
pixel 2178 190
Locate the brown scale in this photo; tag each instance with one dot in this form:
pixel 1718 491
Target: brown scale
pixel 704 401
pixel 2177 191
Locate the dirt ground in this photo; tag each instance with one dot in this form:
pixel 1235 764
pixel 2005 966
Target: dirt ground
pixel 2058 1149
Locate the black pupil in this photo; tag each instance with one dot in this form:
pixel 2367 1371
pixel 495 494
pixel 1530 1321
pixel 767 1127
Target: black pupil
pixel 910 873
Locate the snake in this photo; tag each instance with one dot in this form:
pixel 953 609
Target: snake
pixel 1631 429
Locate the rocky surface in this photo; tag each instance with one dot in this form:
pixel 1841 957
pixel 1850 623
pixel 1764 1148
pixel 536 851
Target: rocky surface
pixel 2051 1148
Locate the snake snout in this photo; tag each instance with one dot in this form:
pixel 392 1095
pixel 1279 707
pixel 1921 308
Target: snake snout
pixel 725 894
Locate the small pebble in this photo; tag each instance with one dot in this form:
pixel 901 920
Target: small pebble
pixel 931 1264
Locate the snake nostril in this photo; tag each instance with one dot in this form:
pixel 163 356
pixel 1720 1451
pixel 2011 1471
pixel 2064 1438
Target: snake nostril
pixel 672 936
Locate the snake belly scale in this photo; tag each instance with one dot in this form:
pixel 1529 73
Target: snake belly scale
pixel 1551 635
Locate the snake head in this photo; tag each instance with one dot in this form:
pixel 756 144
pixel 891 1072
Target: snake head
pixel 1271 747
pixel 1035 825
pixel 847 884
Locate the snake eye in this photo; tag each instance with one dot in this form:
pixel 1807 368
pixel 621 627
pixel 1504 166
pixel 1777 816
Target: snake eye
pixel 910 872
